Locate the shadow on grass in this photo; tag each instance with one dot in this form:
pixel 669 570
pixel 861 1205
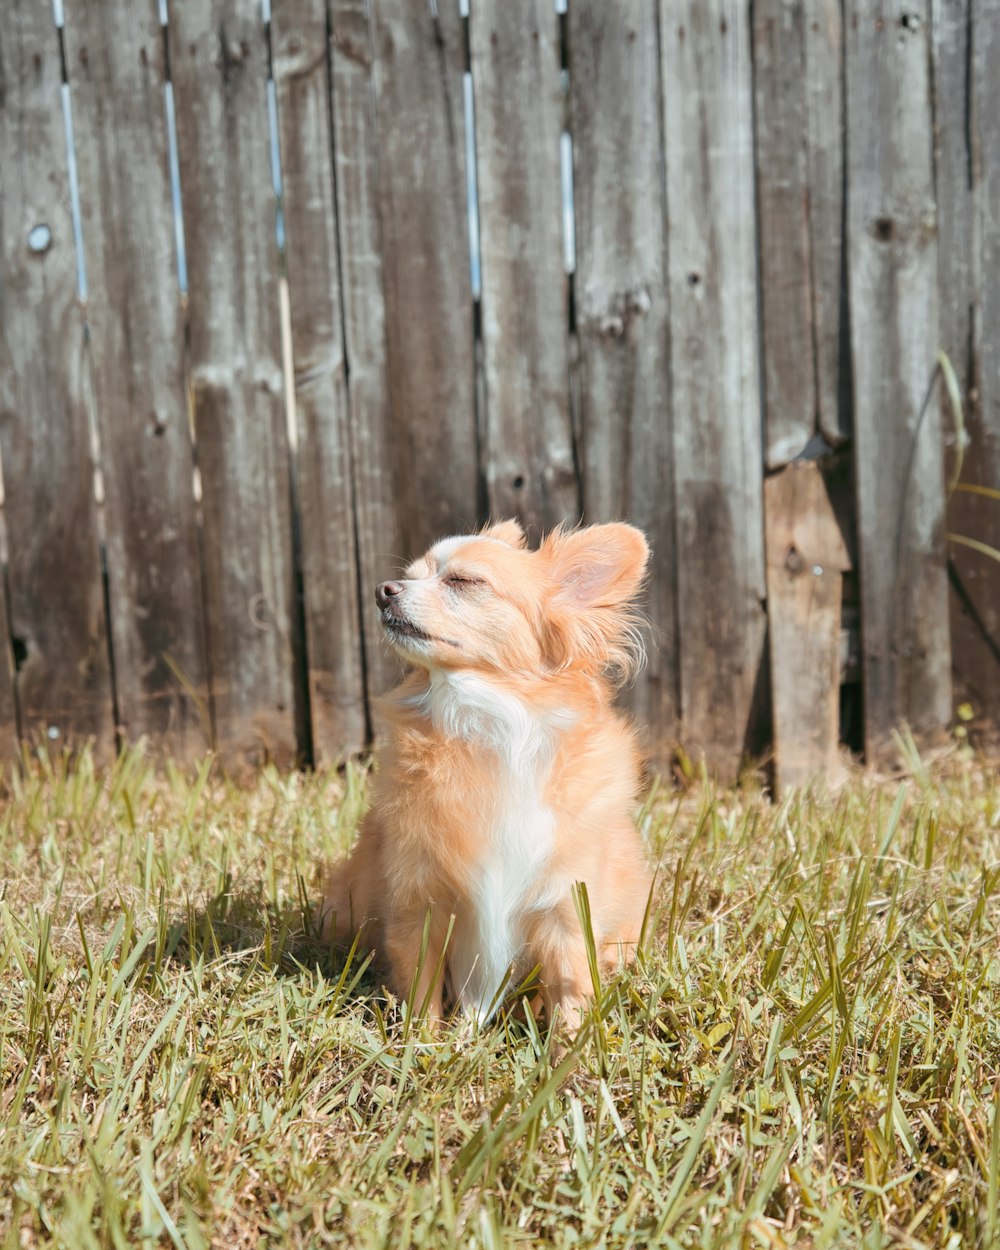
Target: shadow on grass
pixel 284 938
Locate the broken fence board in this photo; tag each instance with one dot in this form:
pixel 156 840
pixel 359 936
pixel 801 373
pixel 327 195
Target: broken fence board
pixel 807 556
pixel 783 197
pixel 626 443
pixel 799 156
pixel 57 619
pixel 114 55
pixel 323 461
pixel 824 85
pixel 219 59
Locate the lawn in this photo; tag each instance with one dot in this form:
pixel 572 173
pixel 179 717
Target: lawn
pixel 808 1052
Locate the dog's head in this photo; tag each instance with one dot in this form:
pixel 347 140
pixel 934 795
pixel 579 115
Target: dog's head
pixel 484 601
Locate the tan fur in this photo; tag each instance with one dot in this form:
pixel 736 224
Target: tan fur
pixel 503 743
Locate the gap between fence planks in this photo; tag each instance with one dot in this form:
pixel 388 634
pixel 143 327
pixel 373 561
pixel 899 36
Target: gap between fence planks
pixel 115 60
pixel 527 439
pixel 57 624
pixel 323 460
pixel 219 59
pixel 894 340
pixel 714 376
pixel 625 419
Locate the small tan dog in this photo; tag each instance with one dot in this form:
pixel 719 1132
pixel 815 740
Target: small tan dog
pixel 507 776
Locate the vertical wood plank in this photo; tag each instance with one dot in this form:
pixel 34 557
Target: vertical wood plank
pixel 626 445
pixel 56 598
pixel 824 96
pixel 975 577
pixel 325 493
pixel 419 60
pixel 951 36
pixel 527 440
pixel 894 339
pixel 115 60
pixel 382 542
pixel 716 403
pixel 785 276
pixel 8 706
pixel 798 56
pixel 807 556
pixel 218 56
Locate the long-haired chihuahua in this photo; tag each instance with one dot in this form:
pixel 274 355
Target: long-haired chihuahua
pixel 507 776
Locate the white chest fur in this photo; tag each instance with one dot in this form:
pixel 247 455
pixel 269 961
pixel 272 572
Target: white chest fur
pixel 517 828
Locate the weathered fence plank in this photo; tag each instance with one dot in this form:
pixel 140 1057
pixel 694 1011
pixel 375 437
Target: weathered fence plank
pixel 325 493
pixel 953 183
pixel 527 435
pixel 382 546
pixel 975 576
pixel 57 612
pixel 783 199
pixel 824 67
pixel 807 556
pixel 894 340
pixel 626 431
pixel 799 151
pixel 114 54
pixel 419 59
pixel 218 56
pixel 713 360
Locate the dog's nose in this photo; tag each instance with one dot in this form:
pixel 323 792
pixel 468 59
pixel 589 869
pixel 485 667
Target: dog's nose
pixel 385 591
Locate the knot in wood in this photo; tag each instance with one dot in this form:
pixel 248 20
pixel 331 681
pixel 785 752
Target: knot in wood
pixel 795 561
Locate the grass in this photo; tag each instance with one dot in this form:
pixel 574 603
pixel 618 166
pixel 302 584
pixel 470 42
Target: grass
pixel 808 1052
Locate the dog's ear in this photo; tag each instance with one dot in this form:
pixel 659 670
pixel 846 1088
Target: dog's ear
pixel 600 566
pixel 594 574
pixel 508 532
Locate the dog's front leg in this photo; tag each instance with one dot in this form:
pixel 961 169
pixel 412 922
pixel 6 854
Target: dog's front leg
pixel 416 967
pixel 560 951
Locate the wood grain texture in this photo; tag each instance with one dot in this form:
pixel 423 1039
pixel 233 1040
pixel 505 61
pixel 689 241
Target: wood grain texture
pixel 625 421
pixel 824 95
pixel 807 555
pixel 713 359
pixel 218 58
pixel 950 35
pixel 419 61
pixel 56 599
pixel 892 235
pixel 974 576
pixel 527 437
pixel 325 492
pixel 382 543
pixel 799 158
pixel 114 55
pixel 783 201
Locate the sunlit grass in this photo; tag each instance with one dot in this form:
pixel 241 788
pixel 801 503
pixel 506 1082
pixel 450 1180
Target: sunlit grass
pixel 808 1052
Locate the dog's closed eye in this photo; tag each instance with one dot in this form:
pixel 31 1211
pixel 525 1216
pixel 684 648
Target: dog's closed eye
pixel 462 581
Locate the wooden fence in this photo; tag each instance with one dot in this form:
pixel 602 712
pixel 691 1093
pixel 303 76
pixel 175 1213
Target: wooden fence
pixel 713 252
